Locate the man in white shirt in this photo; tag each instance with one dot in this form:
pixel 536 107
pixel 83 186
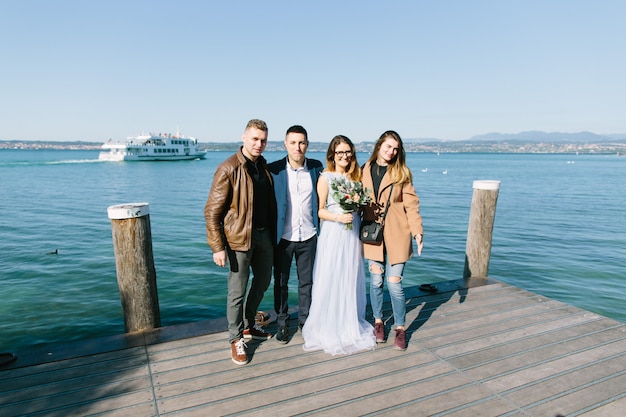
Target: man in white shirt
pixel 295 181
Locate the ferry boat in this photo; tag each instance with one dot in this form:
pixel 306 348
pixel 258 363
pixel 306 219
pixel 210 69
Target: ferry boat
pixel 152 147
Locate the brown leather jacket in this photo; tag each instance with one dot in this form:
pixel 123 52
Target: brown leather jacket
pixel 228 210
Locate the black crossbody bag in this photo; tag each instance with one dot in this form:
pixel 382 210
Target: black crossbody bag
pixel 372 232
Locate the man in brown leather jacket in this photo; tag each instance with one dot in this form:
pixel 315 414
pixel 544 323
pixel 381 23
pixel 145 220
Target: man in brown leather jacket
pixel 240 215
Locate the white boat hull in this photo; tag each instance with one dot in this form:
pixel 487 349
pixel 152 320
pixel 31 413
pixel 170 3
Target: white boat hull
pixel 119 157
pixel 152 148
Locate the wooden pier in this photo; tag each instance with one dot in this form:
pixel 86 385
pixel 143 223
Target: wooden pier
pixel 475 348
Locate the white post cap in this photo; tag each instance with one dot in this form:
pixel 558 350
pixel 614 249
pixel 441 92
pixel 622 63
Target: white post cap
pixel 486 185
pixel 128 211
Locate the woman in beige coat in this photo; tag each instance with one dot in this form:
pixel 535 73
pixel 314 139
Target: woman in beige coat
pixel 389 179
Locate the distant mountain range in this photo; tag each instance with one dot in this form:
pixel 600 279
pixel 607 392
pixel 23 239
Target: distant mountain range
pixel 535 136
pixel 524 142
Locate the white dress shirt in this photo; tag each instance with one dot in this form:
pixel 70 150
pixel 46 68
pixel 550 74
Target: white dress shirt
pixel 298 216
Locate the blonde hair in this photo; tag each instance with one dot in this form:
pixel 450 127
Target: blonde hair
pixel 257 124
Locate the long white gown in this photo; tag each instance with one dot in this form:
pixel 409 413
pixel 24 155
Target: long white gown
pixel 336 321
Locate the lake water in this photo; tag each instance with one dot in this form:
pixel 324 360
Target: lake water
pixel 559 231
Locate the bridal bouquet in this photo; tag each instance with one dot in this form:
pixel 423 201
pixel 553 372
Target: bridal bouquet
pixel 349 194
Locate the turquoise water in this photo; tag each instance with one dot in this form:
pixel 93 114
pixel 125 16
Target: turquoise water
pixel 559 231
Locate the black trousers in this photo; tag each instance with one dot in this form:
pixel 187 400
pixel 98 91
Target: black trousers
pixel 284 253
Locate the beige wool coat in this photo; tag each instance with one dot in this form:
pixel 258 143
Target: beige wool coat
pixel 402 223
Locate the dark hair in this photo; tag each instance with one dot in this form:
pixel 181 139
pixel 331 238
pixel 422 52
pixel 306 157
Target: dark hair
pixel 298 129
pixel 354 170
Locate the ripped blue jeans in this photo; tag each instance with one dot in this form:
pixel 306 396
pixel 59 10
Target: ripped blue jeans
pixel 396 292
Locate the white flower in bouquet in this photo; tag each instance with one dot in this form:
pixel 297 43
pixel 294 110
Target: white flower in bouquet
pixel 349 194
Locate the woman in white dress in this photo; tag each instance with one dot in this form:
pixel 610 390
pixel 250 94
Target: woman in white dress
pixel 336 322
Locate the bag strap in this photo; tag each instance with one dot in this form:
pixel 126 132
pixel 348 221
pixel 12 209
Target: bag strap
pixel 382 221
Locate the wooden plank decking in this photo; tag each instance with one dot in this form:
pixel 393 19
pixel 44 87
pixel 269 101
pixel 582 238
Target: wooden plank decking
pixel 479 348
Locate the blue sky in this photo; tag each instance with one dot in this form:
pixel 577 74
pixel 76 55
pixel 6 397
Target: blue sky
pixel 447 69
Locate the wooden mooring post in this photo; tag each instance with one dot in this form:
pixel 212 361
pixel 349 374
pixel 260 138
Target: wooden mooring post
pixel 136 276
pixel 480 228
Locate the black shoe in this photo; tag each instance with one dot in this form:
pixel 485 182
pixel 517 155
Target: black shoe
pixel 7 357
pixel 282 335
pixel 428 288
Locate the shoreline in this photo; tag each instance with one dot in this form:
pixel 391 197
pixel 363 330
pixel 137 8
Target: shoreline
pixel 617 148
